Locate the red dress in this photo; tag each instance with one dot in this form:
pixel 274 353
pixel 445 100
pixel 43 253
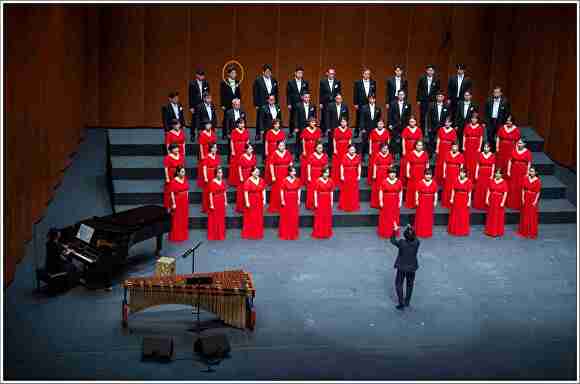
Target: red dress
pixel 483 179
pixel 376 138
pixel 205 141
pixel 390 213
pixel 452 165
pixel 507 143
pixel 446 139
pixel 171 164
pixel 425 209
pixel 209 164
pixel 238 141
pixel 271 139
pixel 529 213
pixel 310 139
pixel 495 219
pixel 349 193
pixel 253 220
pixel 381 165
pixel 290 212
pixel 411 137
pixel 216 218
pixel 458 224
pixel 245 166
pixel 179 139
pixel 472 139
pixel 417 166
pixel 180 215
pixel 322 227
pixel 280 164
pixel 342 139
pixel 518 171
pixel 316 166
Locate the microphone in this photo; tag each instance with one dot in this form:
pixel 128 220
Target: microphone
pixel 190 251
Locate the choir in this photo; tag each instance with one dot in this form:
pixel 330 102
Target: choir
pixel 452 157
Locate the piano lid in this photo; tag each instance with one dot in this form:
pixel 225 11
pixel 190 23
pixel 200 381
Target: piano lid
pixel 129 220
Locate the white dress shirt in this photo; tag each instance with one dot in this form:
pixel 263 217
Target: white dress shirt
pixel 401 104
pixel 236 114
pixel 495 109
pixel 208 109
pixel 459 81
pixel 429 82
pixel 367 85
pixel 200 86
pixel 232 84
pixel 268 82
pixel 306 108
pixel 372 110
pixel 330 84
pixel 338 110
pixel 298 85
pixel 273 111
pixel 175 110
pixel 466 105
pixel 439 110
pixel 397 85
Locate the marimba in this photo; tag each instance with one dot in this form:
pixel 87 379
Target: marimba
pixel 229 295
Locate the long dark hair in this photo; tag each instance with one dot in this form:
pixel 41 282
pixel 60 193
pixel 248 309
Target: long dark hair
pixel 409 233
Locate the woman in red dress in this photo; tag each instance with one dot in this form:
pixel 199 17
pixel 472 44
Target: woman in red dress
pixel 458 224
pixel 518 167
pixel 316 163
pixel 255 201
pixel 341 139
pixel 379 172
pixel 290 210
pixel 272 138
pixel 426 201
pixel 279 162
pixel 350 172
pixel 246 163
pixel 410 135
pixel 390 201
pixel 529 212
pixel 207 137
pixel 208 167
pixel 495 200
pixel 175 136
pixel 377 139
pixel 309 138
pixel 483 174
pixel 505 142
pixel 240 136
pixel 218 202
pixel 451 164
pixel 323 203
pixel 170 164
pixel 472 142
pixel 446 136
pixel 179 189
pixel 416 161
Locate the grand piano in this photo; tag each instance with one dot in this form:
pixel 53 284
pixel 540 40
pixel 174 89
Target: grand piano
pixel 101 244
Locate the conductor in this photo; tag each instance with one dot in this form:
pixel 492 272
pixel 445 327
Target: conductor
pixel 406 263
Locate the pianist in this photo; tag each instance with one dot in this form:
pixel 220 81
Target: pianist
pixel 57 260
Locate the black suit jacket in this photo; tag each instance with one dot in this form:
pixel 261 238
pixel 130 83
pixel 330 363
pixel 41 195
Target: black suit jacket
pixel 360 96
pixel 396 118
pixel 226 94
pixel 392 88
pixel 434 120
pixel 300 118
pixel 196 98
pixel 503 112
pixel 367 122
pixel 407 257
pixel 327 95
pixel 332 117
pixel 265 117
pixel 229 119
pixel 466 85
pixel 427 95
pixel 169 114
pixel 202 116
pixel 460 120
pixel 292 93
pixel 260 91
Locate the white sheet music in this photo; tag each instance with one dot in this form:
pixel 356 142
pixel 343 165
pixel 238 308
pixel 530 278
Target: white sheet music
pixel 85 233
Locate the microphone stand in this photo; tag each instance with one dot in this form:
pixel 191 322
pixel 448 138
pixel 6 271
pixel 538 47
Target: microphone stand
pixel 191 251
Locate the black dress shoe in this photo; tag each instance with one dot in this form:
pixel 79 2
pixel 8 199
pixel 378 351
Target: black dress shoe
pixel 400 307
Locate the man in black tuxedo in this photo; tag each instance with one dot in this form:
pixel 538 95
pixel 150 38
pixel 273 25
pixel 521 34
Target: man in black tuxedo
pixel 465 109
pixel 173 110
pixel 231 116
pixel 406 264
pixel 268 112
pixel 394 85
pixel 334 113
pixel 362 89
pixel 438 113
pixel 370 116
pixel 427 88
pixel 197 88
pixel 457 86
pixel 497 110
pixel 229 90
pixel 303 111
pixel 399 115
pixel 206 112
pixel 294 89
pixel 330 86
pixel 264 86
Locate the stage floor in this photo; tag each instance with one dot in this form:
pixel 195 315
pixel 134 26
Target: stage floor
pixel 482 308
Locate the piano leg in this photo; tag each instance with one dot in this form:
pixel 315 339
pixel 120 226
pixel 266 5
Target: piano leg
pixel 159 245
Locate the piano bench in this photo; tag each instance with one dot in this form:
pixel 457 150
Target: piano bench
pixel 53 283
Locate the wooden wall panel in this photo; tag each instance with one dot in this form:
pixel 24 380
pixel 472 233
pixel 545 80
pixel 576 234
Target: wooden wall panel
pixel 501 50
pixel 92 54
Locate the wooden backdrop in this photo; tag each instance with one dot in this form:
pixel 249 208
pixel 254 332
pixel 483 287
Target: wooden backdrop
pixel 70 67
